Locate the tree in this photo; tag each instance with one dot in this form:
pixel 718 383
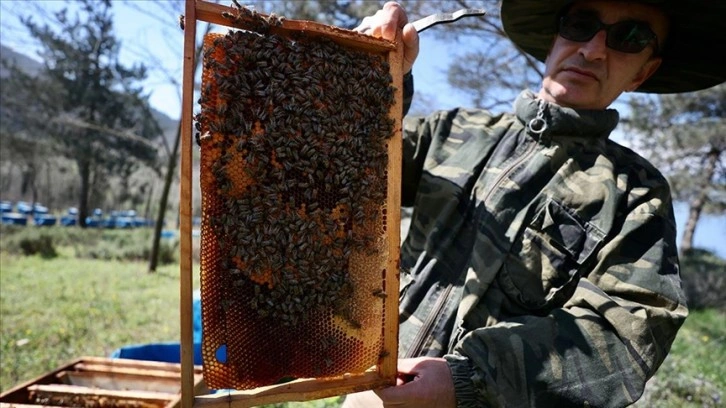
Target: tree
pixel 342 13
pixel 18 129
pixel 168 15
pixel 685 136
pixel 86 102
pixel 488 68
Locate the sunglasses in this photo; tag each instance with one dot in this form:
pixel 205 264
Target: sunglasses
pixel 628 36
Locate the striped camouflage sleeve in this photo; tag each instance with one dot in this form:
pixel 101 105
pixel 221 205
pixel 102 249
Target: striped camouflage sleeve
pixel 408 90
pixel 603 345
pixel 416 142
pixel 415 130
pixel 417 135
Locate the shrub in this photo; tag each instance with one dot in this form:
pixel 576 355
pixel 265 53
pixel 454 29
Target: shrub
pixel 29 241
pixel 89 243
pixel 42 245
pixel 704 279
pixel 128 245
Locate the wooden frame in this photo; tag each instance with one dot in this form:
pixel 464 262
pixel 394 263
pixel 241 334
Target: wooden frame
pixel 384 373
pixel 110 379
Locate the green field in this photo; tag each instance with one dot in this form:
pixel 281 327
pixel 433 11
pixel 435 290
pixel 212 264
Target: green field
pixel 56 309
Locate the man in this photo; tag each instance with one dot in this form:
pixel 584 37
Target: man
pixel 541 268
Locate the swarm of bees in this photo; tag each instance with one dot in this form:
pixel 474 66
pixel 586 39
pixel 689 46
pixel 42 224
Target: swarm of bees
pixel 252 19
pixel 293 135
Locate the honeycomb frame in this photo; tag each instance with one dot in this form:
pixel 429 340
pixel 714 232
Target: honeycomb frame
pixel 384 371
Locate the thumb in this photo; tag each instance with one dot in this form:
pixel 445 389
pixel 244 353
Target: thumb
pixel 410 47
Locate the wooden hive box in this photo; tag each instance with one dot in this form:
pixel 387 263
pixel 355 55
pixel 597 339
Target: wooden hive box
pixel 104 382
pixel 299 135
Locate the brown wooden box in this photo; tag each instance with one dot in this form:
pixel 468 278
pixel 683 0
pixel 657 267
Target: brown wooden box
pixel 99 382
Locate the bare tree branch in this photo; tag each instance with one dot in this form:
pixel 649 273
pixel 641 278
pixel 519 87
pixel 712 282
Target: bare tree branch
pixel 125 135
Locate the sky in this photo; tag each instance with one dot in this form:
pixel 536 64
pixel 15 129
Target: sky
pixel 139 32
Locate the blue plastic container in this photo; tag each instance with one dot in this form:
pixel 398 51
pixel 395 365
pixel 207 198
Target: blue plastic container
pixel 14 219
pixel 6 207
pixel 44 220
pixel 68 221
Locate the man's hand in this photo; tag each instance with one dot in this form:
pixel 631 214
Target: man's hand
pixel 391 23
pixel 423 382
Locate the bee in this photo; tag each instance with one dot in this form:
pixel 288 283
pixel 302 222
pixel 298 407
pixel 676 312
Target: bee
pixel 203 137
pixel 228 15
pixel 181 21
pixel 380 293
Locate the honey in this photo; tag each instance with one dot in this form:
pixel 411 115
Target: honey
pixel 293 137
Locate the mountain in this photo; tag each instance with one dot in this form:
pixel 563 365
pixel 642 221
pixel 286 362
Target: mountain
pixel 24 62
pixel 34 67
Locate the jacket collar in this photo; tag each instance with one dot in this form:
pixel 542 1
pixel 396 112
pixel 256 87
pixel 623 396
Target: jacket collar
pixel 563 121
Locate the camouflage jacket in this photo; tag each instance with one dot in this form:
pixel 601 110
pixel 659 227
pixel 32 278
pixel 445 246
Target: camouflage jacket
pixel 540 261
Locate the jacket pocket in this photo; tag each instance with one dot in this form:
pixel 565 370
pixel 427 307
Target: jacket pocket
pixel 542 268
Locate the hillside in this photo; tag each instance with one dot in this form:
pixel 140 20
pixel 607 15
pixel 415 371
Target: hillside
pixel 33 67
pixel 41 174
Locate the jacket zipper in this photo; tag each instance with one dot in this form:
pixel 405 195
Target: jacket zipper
pixel 538 125
pixel 526 155
pixel 423 333
pixel 425 330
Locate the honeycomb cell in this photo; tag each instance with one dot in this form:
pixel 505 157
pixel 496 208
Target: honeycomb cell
pixel 293 179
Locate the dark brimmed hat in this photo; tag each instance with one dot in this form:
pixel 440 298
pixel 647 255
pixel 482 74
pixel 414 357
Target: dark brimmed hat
pixel 692 57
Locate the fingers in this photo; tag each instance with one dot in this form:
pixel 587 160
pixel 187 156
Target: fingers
pixel 394 19
pixel 366 399
pixel 385 23
pixel 410 47
pixel 411 366
pixel 388 23
pixel 428 385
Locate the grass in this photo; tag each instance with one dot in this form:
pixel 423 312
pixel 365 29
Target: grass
pixel 693 374
pixel 56 309
pixel 93 243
